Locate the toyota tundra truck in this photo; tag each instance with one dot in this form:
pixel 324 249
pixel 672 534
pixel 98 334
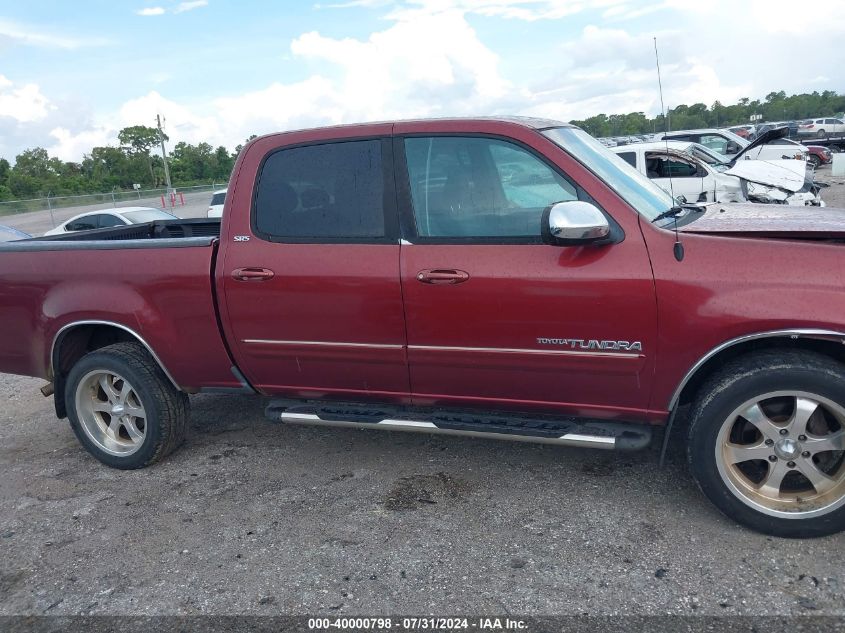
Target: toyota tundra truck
pixel 497 278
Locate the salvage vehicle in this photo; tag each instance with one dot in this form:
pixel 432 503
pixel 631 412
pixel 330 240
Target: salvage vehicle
pixel 822 128
pixel 699 175
pixel 818 155
pixel 769 145
pixel 215 206
pixel 493 278
pixel 110 217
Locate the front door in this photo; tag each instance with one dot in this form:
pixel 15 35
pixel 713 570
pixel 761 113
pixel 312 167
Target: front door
pixel 495 317
pixel 312 301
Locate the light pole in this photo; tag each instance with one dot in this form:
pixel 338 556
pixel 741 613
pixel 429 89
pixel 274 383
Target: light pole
pixel 164 155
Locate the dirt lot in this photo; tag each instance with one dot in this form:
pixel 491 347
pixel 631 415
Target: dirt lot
pixel 257 518
pixel 252 517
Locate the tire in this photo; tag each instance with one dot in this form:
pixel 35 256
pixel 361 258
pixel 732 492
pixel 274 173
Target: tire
pixel 122 407
pixel 821 134
pixel 815 160
pixel 801 393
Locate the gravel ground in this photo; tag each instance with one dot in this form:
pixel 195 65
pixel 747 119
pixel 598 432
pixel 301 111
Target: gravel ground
pixel 250 517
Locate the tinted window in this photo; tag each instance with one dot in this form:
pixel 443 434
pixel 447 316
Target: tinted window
pixel 480 187
pixel 334 190
pixel 147 215
pixel 110 220
pixel 84 224
pixel 218 198
pixel 628 157
pixel 659 166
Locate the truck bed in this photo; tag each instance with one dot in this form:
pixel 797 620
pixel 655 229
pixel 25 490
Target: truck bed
pixel 158 231
pixel 154 280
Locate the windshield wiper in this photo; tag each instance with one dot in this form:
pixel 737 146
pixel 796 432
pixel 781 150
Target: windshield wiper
pixel 668 213
pixel 676 211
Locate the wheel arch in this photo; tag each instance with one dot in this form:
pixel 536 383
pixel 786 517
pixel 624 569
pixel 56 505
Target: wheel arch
pixel 76 339
pixel 831 343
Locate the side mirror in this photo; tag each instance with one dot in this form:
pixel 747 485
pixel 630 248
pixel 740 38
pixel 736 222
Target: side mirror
pixel 733 148
pixel 572 223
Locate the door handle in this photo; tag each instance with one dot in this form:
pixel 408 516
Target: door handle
pixel 441 276
pixel 252 274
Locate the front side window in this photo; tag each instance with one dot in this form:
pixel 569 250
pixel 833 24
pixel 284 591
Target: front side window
pixel 479 187
pixel 663 166
pixel 644 196
pixel 110 220
pixel 329 191
pixel 84 224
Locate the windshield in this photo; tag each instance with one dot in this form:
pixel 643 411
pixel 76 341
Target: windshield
pixel 707 155
pixel 147 215
pixel 647 198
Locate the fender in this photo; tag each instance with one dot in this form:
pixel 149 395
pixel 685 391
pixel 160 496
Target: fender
pixel 60 334
pixel 825 335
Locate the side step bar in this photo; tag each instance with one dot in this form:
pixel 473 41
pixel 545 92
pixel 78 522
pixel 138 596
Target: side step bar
pixel 540 430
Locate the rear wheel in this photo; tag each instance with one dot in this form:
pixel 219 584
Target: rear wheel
pixel 122 407
pixel 821 134
pixel 767 442
pixel 815 160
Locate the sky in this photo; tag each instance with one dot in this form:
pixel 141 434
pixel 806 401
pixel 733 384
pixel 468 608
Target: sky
pixel 74 73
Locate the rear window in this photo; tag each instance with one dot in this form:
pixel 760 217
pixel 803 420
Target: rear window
pixel 147 215
pixel 218 198
pixel 329 191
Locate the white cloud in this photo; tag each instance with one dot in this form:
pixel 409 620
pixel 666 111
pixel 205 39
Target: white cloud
pixel 190 6
pixel 70 146
pixel 150 11
pixel 24 104
pixel 31 35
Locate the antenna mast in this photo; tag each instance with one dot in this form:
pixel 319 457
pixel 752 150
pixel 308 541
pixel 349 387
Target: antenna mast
pixel 678 248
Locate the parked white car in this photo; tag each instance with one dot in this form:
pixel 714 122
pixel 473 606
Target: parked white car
pixel 215 207
pixel 110 218
pixel 768 146
pixel 700 175
pixel 822 128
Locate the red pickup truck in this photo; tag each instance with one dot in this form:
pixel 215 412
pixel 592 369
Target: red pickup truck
pixel 504 278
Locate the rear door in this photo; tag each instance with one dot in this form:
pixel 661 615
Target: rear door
pixel 498 319
pixel 312 304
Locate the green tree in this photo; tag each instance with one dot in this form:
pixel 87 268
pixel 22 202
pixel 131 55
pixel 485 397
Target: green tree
pixel 139 140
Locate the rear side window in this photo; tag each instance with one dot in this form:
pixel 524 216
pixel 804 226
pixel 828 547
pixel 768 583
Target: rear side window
pixel 628 157
pixel 329 191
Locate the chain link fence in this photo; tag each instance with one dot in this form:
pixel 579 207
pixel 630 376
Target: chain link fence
pixel 113 198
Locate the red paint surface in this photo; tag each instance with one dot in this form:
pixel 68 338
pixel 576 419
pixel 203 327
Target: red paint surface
pixel 368 294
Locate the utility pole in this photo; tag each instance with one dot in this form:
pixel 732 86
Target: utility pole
pixel 164 154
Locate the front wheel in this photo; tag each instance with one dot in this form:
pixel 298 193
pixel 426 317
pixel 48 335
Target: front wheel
pixel 122 407
pixel 767 442
pixel 815 160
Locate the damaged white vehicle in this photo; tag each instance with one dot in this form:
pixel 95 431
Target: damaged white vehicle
pixel 701 175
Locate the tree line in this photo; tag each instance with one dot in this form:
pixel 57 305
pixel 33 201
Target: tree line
pixel 137 160
pixel 775 107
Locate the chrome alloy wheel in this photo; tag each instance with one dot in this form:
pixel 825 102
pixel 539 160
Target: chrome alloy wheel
pixel 111 412
pixel 783 454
